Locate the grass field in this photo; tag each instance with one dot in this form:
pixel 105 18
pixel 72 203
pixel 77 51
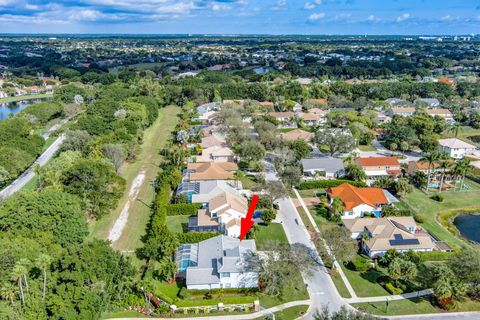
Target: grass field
pixel 267 234
pixel 407 306
pixel 463 134
pixel 148 160
pixel 364 283
pixel 177 223
pixel 291 313
pixel 453 200
pixel 24 98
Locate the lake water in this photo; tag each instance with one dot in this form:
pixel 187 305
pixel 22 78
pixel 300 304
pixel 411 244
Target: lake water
pixel 15 107
pixel 469 226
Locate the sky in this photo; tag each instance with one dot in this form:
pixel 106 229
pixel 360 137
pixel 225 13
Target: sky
pixel 323 17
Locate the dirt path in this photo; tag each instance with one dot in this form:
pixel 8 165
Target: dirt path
pixel 126 224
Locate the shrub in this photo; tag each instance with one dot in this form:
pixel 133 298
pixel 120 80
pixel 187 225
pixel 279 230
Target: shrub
pixel 392 289
pixel 314 184
pixel 434 256
pixel 420 217
pixel 194 237
pixel 322 211
pixel 359 264
pixel 437 197
pixel 184 293
pixel 182 209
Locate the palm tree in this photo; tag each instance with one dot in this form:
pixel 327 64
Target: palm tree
pixel 337 206
pixel 26 264
pixel 444 166
pixel 456 127
pixel 43 263
pixel 7 292
pixel 18 272
pixel 460 168
pixel 431 158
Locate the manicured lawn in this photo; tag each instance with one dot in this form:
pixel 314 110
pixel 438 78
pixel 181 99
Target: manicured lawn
pixel 24 98
pixel 177 223
pixel 267 234
pixel 453 200
pixel 364 283
pixel 368 147
pixel 289 313
pixel 409 306
pixel 248 182
pixel 148 160
pixel 298 292
pixel 342 289
pixel 398 307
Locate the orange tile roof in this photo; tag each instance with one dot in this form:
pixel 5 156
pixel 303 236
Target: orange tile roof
pixel 377 161
pixel 353 196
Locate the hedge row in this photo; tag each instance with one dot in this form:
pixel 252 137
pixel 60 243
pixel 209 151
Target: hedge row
pixel 316 184
pixel 434 256
pixel 194 237
pixel 183 209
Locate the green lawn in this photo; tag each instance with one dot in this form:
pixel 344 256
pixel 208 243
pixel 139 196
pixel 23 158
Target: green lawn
pixel 23 98
pixel 463 134
pixel 267 234
pixel 291 313
pixel 368 147
pixel 177 223
pixel 123 314
pixel 364 283
pixel 342 289
pixel 148 160
pixel 248 182
pixel 407 306
pixel 453 200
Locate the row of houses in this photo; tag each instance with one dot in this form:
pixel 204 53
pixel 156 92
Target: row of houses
pixel 209 179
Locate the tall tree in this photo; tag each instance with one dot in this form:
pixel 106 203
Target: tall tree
pixel 43 263
pixel 431 158
pixel 18 272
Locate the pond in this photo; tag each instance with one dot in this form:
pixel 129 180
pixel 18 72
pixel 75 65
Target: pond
pixel 469 226
pixel 16 106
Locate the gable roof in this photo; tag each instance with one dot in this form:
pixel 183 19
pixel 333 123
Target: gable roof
pixel 391 233
pixel 328 164
pixel 454 143
pixel 227 200
pixel 220 254
pixel 297 134
pixel 353 196
pixel 212 140
pixel 377 161
pixel 282 114
pixel 212 170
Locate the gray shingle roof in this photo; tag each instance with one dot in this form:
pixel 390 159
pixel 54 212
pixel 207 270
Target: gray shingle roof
pixel 327 164
pixel 219 254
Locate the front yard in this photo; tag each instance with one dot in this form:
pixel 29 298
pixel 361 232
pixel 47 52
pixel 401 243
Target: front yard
pixel 267 234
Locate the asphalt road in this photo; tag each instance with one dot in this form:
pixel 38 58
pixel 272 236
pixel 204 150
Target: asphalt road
pixel 28 174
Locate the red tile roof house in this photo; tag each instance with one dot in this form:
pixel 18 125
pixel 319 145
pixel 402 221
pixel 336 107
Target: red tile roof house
pixel 358 201
pixel 376 167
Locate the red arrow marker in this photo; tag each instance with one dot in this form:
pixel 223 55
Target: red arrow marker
pixel 247 222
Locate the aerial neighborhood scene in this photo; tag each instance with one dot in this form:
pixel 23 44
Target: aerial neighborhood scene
pixel 239 159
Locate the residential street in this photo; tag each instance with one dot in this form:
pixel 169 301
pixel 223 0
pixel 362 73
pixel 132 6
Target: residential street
pixel 320 286
pixel 28 174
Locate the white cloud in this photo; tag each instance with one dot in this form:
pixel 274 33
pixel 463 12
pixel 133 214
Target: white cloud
pixel 309 6
pixel 342 16
pixel 318 2
pixel 86 15
pixel 316 16
pixel 280 4
pixel 373 18
pixel 403 17
pixel 219 7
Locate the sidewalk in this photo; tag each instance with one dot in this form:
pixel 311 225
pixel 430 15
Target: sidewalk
pixel 410 295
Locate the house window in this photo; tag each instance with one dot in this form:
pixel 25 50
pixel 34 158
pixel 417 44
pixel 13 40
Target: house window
pixel 225 275
pixel 214 214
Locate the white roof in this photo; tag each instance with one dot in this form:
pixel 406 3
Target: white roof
pixel 454 143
